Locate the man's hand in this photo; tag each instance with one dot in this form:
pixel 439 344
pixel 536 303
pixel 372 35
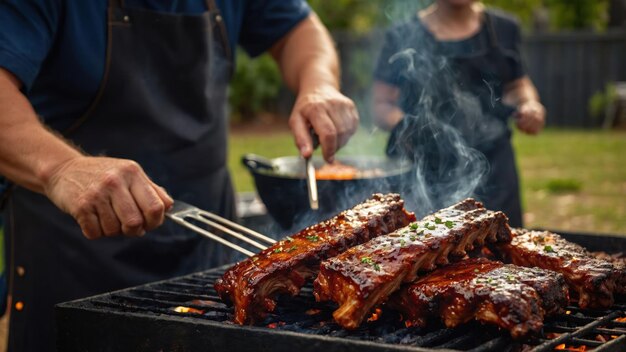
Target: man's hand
pixel 530 117
pixel 108 196
pixel 332 115
pixel 310 66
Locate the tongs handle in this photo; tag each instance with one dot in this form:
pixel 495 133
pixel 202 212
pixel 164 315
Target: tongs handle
pixel 311 182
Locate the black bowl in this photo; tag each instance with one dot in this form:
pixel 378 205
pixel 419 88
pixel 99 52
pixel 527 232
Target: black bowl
pixel 281 184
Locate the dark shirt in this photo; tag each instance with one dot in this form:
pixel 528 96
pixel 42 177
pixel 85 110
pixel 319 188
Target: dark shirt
pixel 413 35
pixel 56 48
pixel 460 82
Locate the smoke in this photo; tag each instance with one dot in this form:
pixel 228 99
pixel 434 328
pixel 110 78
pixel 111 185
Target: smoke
pixel 445 131
pixel 446 169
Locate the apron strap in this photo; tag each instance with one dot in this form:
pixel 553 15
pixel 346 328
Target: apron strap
pixel 494 45
pixel 491 31
pixel 212 6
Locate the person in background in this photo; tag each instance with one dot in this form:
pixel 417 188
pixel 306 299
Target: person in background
pixel 109 110
pixel 459 64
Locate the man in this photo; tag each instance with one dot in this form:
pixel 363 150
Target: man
pixel 109 110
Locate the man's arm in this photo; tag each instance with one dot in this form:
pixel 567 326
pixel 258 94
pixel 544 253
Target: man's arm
pixel 310 66
pixel 530 113
pixel 106 196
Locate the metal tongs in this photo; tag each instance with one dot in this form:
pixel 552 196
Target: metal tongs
pixel 192 217
pixel 311 182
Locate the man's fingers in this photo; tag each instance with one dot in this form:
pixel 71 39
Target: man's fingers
pixel 150 204
pixel 109 222
pixel 346 120
pixel 108 196
pixel 162 193
pixel 521 122
pixel 326 131
pixel 89 224
pixel 301 135
pixel 128 213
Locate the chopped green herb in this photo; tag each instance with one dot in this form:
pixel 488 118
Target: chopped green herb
pixel 254 259
pixel 414 226
pixel 548 249
pixel 293 248
pixel 402 242
pixel 278 250
pixel 438 220
pixel 510 278
pixel 367 260
pixel 288 239
pixel 426 224
pixel 431 227
pixel 449 224
pixel 412 238
pixel 427 235
pixel 313 238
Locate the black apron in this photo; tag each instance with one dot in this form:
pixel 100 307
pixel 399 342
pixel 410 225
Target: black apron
pixel 475 86
pixel 162 103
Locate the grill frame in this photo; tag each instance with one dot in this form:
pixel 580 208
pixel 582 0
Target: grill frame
pixel 98 323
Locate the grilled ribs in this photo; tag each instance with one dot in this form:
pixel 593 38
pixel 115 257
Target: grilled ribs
pixel 512 297
pixel 593 281
pixel 253 284
pixel 364 276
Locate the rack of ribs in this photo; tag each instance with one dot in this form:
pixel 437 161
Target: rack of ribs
pixel 512 297
pixel 593 281
pixel 364 276
pixel 253 284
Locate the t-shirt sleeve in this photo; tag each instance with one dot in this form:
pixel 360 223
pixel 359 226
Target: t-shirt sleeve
pixel 27 31
pixel 517 64
pixel 267 21
pixel 510 37
pixel 388 70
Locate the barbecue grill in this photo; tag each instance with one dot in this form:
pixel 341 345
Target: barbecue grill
pixel 185 314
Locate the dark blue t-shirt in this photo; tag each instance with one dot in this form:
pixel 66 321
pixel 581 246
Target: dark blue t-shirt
pixel 57 47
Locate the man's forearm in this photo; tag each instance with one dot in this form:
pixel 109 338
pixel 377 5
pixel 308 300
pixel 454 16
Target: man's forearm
pixel 306 56
pixel 29 153
pixel 310 67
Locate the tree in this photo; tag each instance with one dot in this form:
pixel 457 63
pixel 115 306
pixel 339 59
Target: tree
pixel 578 14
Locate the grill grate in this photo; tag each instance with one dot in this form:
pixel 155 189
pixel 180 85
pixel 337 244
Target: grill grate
pixel 303 315
pixel 146 318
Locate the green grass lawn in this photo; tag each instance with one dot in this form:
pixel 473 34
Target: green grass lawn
pixel 574 180
pixel 571 179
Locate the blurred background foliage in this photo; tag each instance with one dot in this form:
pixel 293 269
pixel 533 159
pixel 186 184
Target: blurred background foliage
pixel 254 86
pixel 361 16
pixel 257 82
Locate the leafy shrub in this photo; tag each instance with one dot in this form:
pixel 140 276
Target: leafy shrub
pixel 563 185
pixel 254 87
pixel 600 100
